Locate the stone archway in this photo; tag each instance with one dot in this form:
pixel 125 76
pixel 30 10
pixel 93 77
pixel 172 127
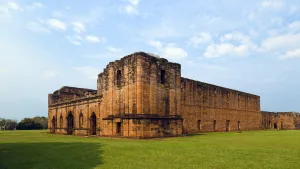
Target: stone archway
pixel 53 125
pixel 93 124
pixel 70 124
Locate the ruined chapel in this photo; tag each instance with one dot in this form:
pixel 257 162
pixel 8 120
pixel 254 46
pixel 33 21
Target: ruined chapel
pixel 144 96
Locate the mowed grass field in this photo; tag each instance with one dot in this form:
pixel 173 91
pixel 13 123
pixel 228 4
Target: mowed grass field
pixel 251 149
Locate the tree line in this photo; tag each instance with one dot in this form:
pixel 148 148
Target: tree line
pixel 35 123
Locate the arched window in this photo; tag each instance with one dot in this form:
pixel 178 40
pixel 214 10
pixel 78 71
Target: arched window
pixel 61 121
pixel 162 76
pixel 80 120
pixel 119 76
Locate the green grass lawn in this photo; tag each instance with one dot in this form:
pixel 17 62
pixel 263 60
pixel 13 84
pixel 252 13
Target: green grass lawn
pixel 252 149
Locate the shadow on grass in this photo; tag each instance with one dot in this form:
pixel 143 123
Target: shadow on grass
pixel 50 155
pixel 195 134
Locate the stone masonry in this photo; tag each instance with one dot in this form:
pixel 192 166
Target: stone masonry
pixel 144 96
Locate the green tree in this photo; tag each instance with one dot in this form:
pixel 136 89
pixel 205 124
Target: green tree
pixel 2 123
pixel 28 124
pixel 43 121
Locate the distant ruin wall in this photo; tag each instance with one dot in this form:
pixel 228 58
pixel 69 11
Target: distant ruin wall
pixel 207 107
pixel 281 120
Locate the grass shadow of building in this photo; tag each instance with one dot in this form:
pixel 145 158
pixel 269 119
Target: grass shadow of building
pixel 50 155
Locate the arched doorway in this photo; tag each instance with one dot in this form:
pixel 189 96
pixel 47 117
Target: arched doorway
pixel 70 123
pixel 93 124
pixel 53 126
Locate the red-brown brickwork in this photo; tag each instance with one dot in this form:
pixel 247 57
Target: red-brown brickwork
pixel 144 96
pixel 281 120
pixel 207 107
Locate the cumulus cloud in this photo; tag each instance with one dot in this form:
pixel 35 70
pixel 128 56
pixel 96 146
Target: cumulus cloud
pixel 134 2
pixel 35 5
pixel 14 6
pixel 78 27
pixel 282 42
pixel 173 52
pixel 56 24
pixel 285 45
pixel 130 8
pixel 223 49
pixel 155 43
pixel 273 4
pixel 114 50
pixel 170 50
pixel 201 38
pixel 291 54
pixel 94 39
pixel 78 39
pixel 75 39
pixel 37 27
pixel 231 44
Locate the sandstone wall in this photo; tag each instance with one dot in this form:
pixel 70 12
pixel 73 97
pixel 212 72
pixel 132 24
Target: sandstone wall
pixel 133 85
pixel 85 106
pixel 281 120
pixel 207 107
pixel 142 96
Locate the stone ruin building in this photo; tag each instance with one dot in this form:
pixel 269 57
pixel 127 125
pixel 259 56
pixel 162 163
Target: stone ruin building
pixel 144 96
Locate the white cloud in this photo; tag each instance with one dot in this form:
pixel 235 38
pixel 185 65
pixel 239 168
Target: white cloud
pixel 114 50
pixel 94 39
pixel 75 40
pixel 56 24
pixel 173 52
pixel 170 50
pixel 231 44
pixel 14 6
pixel 294 26
pixel 37 27
pixel 78 39
pixel 88 71
pixel 224 49
pixel 281 42
pixel 4 12
pixel 273 4
pixel 130 8
pixel 155 43
pixel 291 54
pixel 78 27
pixel 134 2
pixel 201 38
pixel 35 5
pixel 49 74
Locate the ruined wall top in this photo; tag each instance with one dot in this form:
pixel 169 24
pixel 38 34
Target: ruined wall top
pixel 67 93
pixel 151 58
pixel 295 114
pixel 217 88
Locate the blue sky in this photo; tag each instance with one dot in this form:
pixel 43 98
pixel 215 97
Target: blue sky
pixel 249 45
